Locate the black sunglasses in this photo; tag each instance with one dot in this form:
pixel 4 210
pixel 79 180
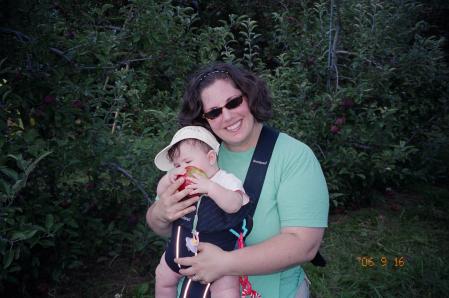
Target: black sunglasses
pixel 216 112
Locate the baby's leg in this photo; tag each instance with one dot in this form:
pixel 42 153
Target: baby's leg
pixel 227 286
pixel 166 280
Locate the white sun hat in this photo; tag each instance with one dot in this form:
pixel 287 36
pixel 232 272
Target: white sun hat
pixel 162 161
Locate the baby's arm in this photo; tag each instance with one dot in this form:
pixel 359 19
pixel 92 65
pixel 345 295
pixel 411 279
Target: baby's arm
pixel 228 200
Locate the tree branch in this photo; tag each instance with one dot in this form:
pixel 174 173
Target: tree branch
pixel 117 167
pixel 82 66
pixel 23 38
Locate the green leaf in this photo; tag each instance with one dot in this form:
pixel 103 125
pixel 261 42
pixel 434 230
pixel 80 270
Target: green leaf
pixel 16 157
pixel 47 243
pixel 57 227
pixel 49 221
pixel 6 187
pixel 14 268
pixel 335 195
pixel 7 92
pixel 10 173
pixel 106 7
pixel 143 289
pixel 23 235
pixel 27 167
pixel 17 253
pixel 17 186
pixel 102 259
pixel 8 259
pixel 29 234
pixel 361 176
pixel 17 236
pixel 31 167
pixel 34 242
pixel 72 223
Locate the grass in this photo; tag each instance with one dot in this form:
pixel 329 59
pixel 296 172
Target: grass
pixel 410 227
pixel 119 278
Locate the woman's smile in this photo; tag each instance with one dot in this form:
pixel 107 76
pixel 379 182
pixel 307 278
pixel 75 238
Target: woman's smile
pixel 235 127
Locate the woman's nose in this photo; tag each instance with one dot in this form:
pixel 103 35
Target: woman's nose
pixel 226 114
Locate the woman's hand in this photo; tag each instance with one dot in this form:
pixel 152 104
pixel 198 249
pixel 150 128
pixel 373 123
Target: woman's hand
pixel 170 207
pixel 170 204
pixel 207 266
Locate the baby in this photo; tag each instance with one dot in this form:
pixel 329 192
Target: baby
pixel 222 207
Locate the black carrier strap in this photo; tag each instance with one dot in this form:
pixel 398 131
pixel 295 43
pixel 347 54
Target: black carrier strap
pixel 259 165
pixel 258 169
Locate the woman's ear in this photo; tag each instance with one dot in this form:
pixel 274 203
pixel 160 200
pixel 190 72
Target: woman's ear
pixel 212 157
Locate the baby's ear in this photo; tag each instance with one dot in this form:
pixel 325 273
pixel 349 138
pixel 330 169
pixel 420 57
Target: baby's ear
pixel 212 157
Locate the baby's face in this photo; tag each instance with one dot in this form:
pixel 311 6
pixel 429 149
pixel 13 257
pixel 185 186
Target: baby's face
pixel 191 155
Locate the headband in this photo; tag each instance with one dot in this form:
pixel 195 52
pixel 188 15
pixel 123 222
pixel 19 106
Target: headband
pixel 211 73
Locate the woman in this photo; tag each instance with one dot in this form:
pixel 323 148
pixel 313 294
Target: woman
pixel 292 211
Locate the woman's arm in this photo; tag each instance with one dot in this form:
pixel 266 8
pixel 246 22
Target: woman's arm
pixel 293 246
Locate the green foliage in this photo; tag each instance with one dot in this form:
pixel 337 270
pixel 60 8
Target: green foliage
pixel 142 291
pixel 368 115
pixel 89 93
pixel 18 179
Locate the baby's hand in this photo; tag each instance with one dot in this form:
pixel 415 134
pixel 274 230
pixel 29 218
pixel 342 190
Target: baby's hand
pixel 200 184
pixel 175 172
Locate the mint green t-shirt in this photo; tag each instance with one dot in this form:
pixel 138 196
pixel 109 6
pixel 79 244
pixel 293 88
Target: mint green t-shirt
pixel 294 194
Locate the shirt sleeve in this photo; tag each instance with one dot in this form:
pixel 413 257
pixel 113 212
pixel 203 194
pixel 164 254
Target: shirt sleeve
pixel 303 198
pixel 229 181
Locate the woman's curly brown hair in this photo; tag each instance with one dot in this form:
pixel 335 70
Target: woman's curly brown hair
pixel 254 88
